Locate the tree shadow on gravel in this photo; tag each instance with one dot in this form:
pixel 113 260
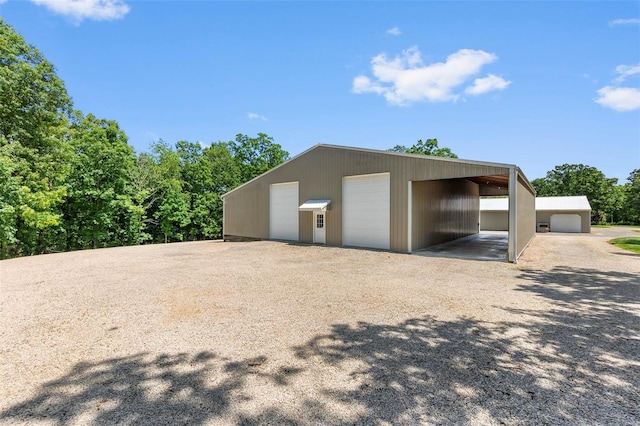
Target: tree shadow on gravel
pixel 425 371
pixel 575 363
pixel 140 389
pixel 594 329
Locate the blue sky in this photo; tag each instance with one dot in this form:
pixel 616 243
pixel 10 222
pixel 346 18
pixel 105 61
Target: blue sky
pixel 535 84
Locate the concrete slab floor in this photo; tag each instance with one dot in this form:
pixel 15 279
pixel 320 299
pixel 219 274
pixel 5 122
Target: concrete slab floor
pixel 483 246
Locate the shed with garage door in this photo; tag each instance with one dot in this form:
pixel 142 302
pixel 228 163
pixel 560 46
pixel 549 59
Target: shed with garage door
pixel 553 214
pixel 564 214
pixel 357 197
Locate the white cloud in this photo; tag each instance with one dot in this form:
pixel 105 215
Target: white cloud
pixel 619 98
pixel 395 31
pixel 406 79
pixel 487 84
pixel 2 1
pixel 632 21
pixel 254 116
pixel 99 10
pixel 625 71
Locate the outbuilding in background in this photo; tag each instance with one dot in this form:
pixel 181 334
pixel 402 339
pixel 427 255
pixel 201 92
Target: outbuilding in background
pixel 553 214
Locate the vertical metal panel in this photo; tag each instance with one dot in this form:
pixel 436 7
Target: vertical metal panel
pixel 443 210
pixel 247 212
pixel 494 221
pixel 409 216
pixel 224 216
pixel 512 254
pixel 306 225
pixel 526 211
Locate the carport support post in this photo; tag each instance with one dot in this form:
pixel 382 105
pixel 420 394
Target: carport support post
pixel 409 216
pixel 513 215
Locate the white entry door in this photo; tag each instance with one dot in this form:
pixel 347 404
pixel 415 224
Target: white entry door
pixel 319 227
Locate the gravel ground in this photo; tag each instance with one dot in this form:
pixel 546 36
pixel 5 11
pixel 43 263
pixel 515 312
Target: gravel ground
pixel 272 333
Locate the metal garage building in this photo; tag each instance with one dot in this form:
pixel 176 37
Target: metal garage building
pixel 555 214
pixel 377 199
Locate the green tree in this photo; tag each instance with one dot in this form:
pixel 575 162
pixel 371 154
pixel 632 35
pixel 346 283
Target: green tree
pixel 618 196
pixel 34 132
pixel 206 174
pixel 197 177
pixel 101 208
pixel 631 202
pixel 578 179
pixel 255 156
pixel 428 147
pixel 33 97
pixel 220 174
pixel 224 168
pixel 147 184
pixel 11 197
pixel 173 210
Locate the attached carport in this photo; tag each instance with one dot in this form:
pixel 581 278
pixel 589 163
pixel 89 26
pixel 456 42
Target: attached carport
pixel 445 216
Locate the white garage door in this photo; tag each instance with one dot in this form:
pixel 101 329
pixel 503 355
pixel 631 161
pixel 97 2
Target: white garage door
pixel 565 223
pixel 283 211
pixel 366 211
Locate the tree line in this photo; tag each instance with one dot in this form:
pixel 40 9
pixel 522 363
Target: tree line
pixel 610 202
pixel 71 181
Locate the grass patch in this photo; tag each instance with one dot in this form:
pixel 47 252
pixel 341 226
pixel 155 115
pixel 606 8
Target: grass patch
pixel 627 243
pixel 606 225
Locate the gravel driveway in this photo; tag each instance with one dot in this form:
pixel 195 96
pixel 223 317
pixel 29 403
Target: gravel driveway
pixel 272 333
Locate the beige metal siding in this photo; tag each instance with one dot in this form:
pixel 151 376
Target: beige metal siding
pixel 247 211
pixel 526 215
pixel 489 191
pixel 320 171
pixel 306 225
pixel 494 221
pixel 443 210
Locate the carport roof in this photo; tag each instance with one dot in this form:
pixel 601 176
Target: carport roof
pixel 500 181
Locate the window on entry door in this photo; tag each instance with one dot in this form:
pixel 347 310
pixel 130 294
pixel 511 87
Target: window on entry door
pixel 320 221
